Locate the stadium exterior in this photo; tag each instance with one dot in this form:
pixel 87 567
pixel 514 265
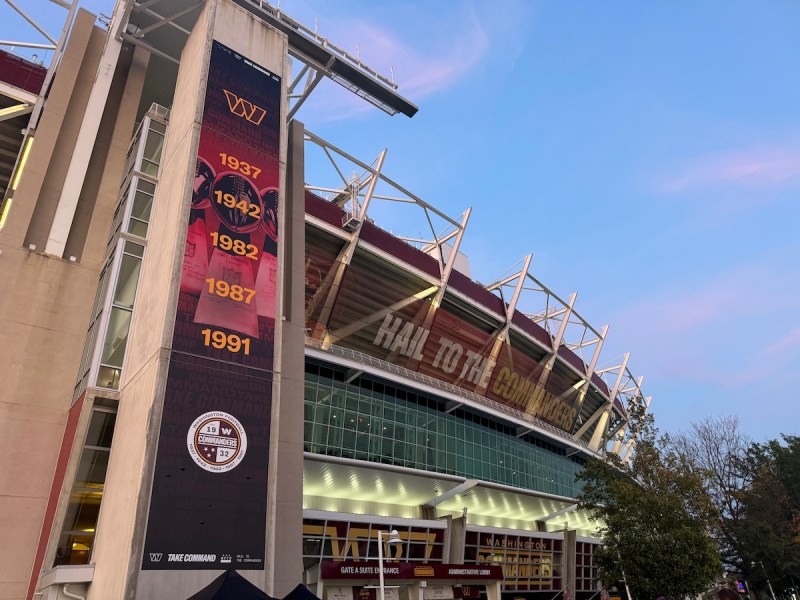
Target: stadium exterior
pixel 219 357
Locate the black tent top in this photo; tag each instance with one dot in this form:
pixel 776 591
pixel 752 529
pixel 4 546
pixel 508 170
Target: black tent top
pixel 301 592
pixel 232 586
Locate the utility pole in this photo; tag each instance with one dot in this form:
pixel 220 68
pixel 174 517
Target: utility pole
pixel 769 584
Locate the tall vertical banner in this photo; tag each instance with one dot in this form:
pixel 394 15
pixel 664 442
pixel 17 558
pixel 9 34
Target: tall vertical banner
pixel 209 498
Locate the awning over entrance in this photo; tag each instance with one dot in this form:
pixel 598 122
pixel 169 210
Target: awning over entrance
pixel 347 485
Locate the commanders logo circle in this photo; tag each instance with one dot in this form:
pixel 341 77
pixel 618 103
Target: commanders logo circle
pixel 216 441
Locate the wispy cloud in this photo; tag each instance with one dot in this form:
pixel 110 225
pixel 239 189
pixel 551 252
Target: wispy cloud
pixel 706 334
pixel 446 45
pixel 783 344
pixel 678 309
pixel 422 68
pixel 757 167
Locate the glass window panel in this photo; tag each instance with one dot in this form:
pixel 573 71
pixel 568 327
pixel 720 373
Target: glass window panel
pixel 122 199
pixel 146 186
pixel 77 534
pixel 82 511
pixel 135 249
pixel 149 168
pixel 132 149
pixel 101 429
pixel 74 549
pixel 108 377
pixel 382 427
pixel 152 146
pixel 116 337
pixel 142 203
pixel 158 126
pixel 127 280
pixel 136 227
pixel 92 469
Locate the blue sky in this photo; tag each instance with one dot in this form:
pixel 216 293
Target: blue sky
pixel 647 154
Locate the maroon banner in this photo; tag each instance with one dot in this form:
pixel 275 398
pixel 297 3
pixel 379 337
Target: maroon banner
pixel 409 570
pixel 227 299
pixel 209 498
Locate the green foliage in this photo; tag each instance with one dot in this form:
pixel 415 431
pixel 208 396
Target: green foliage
pixel 655 516
pixel 769 528
pixel 756 491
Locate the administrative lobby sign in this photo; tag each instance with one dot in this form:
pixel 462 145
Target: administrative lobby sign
pixel 343 570
pixel 209 497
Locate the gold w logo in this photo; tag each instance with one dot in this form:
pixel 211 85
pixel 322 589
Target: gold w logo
pixel 242 108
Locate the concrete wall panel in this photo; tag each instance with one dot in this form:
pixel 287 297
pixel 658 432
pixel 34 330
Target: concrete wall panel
pixel 47 133
pixel 117 550
pixel 20 536
pixel 52 184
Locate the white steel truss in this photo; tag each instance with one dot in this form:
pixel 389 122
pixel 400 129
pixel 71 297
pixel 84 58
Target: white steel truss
pixel 28 102
pixel 46 42
pixel 367 183
pixel 518 288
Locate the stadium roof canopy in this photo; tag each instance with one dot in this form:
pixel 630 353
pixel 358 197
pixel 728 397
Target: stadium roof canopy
pixel 162 26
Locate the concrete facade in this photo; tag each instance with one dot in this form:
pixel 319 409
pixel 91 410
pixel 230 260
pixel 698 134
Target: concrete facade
pixel 44 319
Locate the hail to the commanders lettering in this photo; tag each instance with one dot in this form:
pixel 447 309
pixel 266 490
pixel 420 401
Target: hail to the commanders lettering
pixel 216 441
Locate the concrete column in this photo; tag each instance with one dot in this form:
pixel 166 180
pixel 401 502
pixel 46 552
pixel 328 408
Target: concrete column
pixel 458 536
pixel 124 514
pixel 568 562
pixel 285 500
pixel 54 138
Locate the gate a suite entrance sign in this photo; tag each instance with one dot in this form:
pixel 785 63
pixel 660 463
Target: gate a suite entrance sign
pixel 355 574
pixel 209 498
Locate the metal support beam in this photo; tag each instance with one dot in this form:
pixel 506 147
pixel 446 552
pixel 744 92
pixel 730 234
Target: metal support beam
pixel 558 513
pixel 15 111
pixel 170 20
pixel 27 45
pixel 562 328
pixel 33 23
pixel 599 432
pixel 559 337
pixel 589 422
pixel 451 406
pixel 351 375
pixel 348 330
pixel 590 369
pixel 451 260
pixel 314 77
pixel 345 256
pixel 461 488
pixel 502 334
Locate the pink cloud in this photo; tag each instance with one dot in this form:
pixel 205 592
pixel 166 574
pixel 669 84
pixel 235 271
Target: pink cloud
pixel 758 167
pixel 783 344
pixel 679 309
pixel 704 334
pixel 422 64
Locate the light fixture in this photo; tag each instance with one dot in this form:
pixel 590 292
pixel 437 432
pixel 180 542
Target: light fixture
pixel 394 538
pixel 23 159
pixel 4 212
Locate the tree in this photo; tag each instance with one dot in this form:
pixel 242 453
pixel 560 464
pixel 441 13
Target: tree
pixel 717 449
pixel 654 515
pixel 769 527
